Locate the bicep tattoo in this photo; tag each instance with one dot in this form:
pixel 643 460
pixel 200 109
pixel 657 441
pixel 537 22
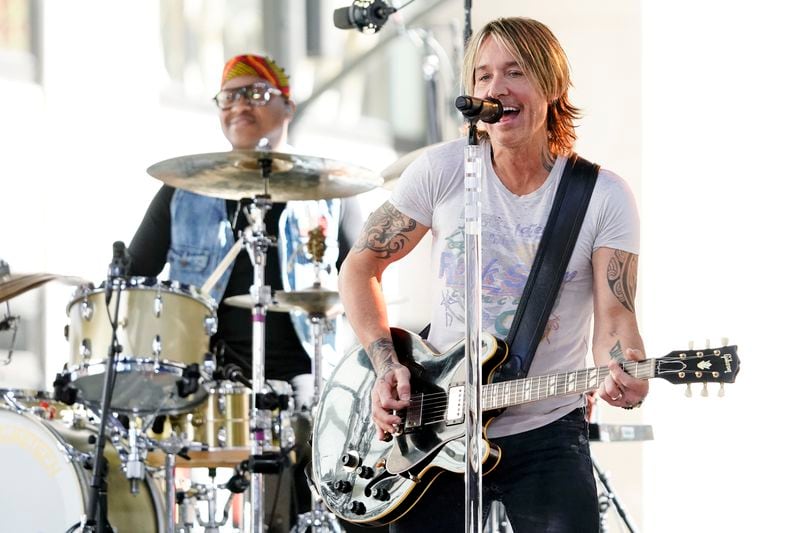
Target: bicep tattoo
pixel 385 231
pixel 621 275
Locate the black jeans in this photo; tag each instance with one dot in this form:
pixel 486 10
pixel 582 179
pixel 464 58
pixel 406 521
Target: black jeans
pixel 545 481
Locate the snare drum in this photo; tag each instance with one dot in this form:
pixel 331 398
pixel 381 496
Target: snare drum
pixel 163 327
pixel 47 488
pixel 222 424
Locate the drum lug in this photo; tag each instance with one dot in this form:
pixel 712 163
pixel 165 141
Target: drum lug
pixel 85 350
pixel 157 346
pixel 158 305
pixel 87 310
pixel 210 324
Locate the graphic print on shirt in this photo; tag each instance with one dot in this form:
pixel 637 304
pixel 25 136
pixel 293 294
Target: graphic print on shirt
pixel 504 273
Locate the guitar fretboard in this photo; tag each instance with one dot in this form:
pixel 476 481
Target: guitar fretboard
pixel 520 391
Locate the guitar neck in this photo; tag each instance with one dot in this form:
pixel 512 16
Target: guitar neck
pixel 532 389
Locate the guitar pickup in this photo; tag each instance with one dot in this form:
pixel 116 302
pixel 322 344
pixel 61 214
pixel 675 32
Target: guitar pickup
pixel 455 405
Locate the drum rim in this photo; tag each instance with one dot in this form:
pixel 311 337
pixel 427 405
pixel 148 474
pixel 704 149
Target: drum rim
pixel 150 284
pixel 83 370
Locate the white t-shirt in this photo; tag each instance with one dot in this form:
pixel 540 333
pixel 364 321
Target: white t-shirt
pixel 431 191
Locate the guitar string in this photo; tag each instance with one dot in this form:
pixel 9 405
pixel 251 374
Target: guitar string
pixel 432 409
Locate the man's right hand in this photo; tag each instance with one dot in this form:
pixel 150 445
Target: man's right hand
pixel 391 392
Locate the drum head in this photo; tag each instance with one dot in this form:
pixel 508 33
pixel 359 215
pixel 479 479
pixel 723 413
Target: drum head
pixel 42 490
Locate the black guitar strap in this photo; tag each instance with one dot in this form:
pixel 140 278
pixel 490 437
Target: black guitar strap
pixel 549 265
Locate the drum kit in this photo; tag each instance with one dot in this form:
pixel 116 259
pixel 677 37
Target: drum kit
pixel 141 378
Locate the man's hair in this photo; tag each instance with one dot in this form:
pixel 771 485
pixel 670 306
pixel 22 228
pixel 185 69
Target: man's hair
pixel 541 58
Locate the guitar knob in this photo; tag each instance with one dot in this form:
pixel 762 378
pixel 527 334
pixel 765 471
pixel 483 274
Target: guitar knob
pixel 342 486
pixel 365 472
pixel 350 460
pixel 381 494
pixel 356 507
pixel 688 390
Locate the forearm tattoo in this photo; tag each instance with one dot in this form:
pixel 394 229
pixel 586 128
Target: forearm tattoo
pixel 621 275
pixel 380 354
pixel 616 353
pixel 385 231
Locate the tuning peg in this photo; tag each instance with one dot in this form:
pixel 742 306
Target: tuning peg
pixel 721 392
pixel 704 392
pixel 708 344
pixel 688 390
pixel 724 341
pixel 691 345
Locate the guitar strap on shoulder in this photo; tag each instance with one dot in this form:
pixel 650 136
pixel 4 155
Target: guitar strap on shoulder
pixel 549 265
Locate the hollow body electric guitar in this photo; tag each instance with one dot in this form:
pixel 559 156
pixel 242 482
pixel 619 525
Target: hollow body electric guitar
pixel 367 481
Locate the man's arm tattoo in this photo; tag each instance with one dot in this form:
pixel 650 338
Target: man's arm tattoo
pixel 616 353
pixel 380 354
pixel 621 275
pixel 385 231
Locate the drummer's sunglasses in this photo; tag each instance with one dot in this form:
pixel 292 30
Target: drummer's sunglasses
pixel 257 94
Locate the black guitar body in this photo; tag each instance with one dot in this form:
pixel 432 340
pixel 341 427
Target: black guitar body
pixel 367 481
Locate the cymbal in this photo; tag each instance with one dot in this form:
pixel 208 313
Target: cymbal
pixel 313 301
pixel 237 174
pixel 392 173
pixel 12 285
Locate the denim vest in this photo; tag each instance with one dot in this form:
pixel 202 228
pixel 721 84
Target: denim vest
pixel 201 236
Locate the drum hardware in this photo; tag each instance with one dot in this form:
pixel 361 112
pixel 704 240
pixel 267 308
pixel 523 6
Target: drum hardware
pixel 265 177
pixel 96 518
pixel 203 492
pixel 9 322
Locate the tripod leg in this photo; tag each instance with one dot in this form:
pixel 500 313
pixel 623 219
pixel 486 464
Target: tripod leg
pixel 611 497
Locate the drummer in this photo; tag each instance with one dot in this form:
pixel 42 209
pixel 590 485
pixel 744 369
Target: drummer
pixel 193 233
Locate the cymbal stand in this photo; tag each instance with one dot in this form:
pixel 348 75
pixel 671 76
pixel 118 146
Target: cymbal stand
pixel 318 519
pixel 171 447
pixel 257 243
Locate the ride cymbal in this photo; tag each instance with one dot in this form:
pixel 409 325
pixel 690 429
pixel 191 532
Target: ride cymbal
pixel 237 174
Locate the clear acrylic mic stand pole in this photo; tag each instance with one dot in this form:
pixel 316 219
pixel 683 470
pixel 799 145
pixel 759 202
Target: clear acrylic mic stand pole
pixel 473 468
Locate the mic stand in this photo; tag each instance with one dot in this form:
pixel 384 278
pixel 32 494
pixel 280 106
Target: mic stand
pixel 610 497
pixel 97 515
pixel 473 170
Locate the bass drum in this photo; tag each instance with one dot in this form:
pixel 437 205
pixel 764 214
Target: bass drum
pixel 46 487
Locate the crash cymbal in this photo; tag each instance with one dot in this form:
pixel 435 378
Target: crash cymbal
pixel 237 174
pixel 12 285
pixel 392 173
pixel 314 301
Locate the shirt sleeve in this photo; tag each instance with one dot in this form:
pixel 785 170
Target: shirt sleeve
pixel 150 244
pixel 617 219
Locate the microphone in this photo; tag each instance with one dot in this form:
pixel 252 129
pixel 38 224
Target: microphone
pixel 368 16
pixel 118 267
pixel 232 372
pixel 489 110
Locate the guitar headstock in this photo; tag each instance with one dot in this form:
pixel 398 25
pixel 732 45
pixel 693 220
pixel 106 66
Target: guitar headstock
pixel 709 365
